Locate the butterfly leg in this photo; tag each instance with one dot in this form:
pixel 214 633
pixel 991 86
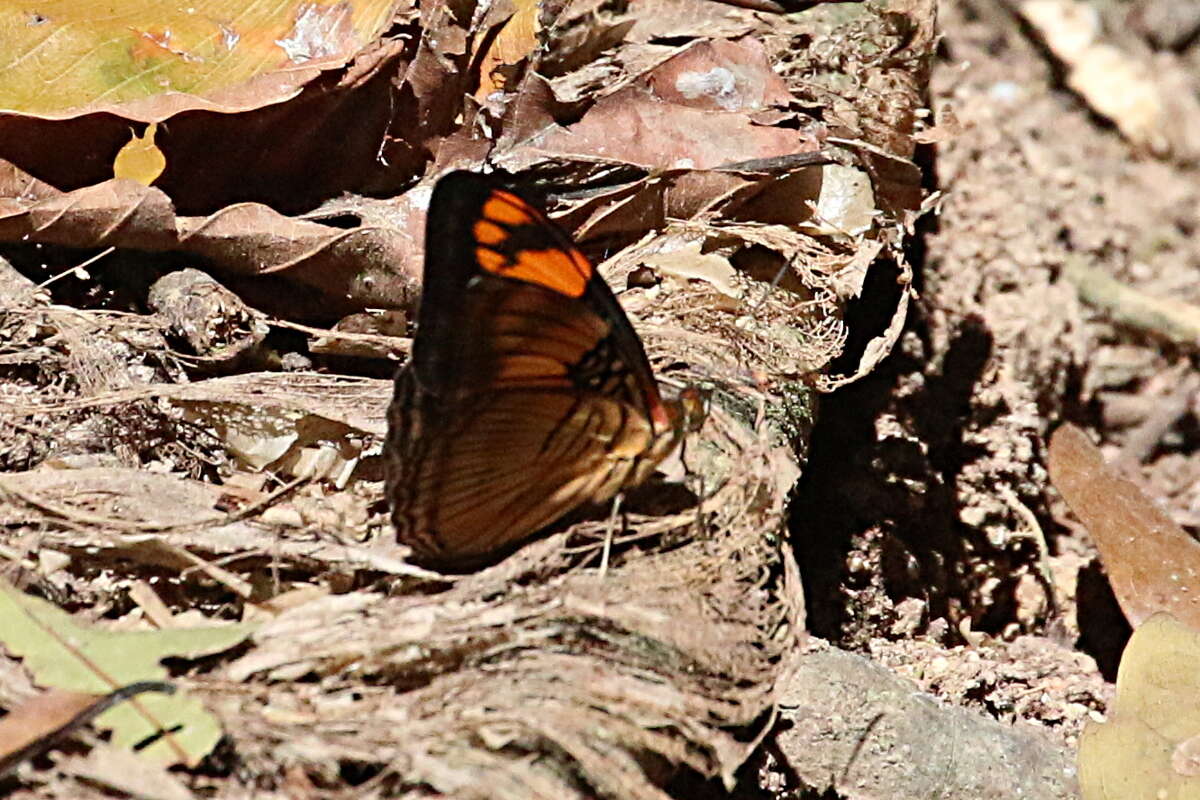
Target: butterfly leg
pixel 609 531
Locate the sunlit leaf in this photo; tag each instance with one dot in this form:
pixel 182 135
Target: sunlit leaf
pixel 149 59
pixel 63 654
pixel 1152 563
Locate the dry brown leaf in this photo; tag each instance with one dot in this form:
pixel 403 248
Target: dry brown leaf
pixel 38 719
pixel 122 771
pixel 515 41
pixel 34 727
pixel 694 111
pixel 1147 748
pixel 1152 563
pixel 347 269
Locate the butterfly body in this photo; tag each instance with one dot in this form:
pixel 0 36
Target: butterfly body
pixel 528 393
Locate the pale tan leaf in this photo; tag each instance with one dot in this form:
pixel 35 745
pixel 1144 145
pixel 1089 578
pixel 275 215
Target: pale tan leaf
pixel 1146 749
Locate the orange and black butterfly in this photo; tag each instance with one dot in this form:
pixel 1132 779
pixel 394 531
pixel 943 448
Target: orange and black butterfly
pixel 527 394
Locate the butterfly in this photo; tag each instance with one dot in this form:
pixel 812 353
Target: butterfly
pixel 527 394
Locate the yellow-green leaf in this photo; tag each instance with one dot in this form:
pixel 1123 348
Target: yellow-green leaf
pixel 63 654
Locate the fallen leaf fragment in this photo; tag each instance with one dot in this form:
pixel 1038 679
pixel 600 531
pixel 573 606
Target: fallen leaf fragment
pixel 1147 748
pixel 1152 563
pixel 685 259
pixel 692 111
pixel 38 719
pixel 140 159
pixel 62 653
pixel 345 269
pixel 846 204
pixel 515 41
pixel 122 771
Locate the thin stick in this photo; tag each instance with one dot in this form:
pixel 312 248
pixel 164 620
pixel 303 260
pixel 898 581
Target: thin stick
pixel 69 270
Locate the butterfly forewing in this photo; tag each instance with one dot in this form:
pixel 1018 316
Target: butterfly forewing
pixel 528 392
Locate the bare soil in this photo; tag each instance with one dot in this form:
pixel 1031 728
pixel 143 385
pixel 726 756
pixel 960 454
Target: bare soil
pixel 929 537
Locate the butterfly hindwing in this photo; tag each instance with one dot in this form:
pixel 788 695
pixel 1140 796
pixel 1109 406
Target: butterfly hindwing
pixel 517 461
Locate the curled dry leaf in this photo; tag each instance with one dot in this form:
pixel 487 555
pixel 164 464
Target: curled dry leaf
pixel 693 111
pixel 344 269
pixel 1147 750
pixel 1152 563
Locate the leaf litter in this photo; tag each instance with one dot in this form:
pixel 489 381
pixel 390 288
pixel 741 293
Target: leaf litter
pixel 587 658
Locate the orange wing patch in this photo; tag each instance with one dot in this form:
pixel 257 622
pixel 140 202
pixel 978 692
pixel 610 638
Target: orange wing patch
pixel 511 239
pixel 508 209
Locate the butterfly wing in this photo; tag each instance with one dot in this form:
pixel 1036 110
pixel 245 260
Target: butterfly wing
pixel 528 392
pixel 473 483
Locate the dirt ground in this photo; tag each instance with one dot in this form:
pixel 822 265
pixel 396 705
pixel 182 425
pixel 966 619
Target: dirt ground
pixel 954 563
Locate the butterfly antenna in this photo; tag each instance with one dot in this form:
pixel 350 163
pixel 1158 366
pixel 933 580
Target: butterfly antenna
pixel 609 531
